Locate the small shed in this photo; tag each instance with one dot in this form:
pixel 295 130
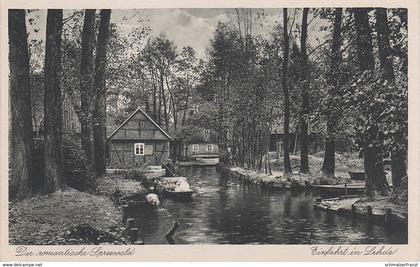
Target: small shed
pixel 138 141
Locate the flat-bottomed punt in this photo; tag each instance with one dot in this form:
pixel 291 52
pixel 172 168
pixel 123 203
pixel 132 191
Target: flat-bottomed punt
pixel 169 187
pixel 178 195
pixel 350 188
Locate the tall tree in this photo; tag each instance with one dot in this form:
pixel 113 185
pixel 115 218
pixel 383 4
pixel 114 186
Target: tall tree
pixel 286 146
pixel 382 30
pixel 87 94
pixel 99 113
pixel 363 39
pixel 373 163
pixel 328 166
pixel 21 144
pixel 397 157
pixel 304 164
pixel 53 153
pixel 188 66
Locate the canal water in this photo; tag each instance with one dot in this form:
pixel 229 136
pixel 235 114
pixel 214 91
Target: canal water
pixel 223 211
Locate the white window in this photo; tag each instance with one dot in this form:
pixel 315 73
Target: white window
pixel 209 147
pixel 139 149
pixel 206 131
pixel 142 124
pixel 195 147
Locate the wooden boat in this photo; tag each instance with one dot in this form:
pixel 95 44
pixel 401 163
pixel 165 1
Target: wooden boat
pixel 342 189
pixel 177 194
pixel 358 176
pixel 168 185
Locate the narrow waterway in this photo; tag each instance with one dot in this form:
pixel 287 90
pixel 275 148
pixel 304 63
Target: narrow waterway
pixel 227 212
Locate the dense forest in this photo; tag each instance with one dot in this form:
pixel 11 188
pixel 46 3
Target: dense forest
pixel 350 89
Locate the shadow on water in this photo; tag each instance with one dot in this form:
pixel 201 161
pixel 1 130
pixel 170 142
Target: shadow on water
pixel 224 211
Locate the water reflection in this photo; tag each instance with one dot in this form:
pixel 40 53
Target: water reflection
pixel 226 212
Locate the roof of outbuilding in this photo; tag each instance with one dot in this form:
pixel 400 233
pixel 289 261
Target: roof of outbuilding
pixel 147 116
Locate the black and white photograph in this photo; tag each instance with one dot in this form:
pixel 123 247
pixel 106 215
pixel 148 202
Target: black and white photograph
pixel 208 126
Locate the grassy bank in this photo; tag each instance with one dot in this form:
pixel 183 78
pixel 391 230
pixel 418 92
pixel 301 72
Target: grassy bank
pixel 345 162
pixel 70 216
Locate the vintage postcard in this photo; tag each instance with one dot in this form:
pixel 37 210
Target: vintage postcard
pixel 209 131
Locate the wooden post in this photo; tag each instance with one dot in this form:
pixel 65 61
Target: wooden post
pixel 130 224
pixel 353 210
pixel 388 215
pixel 369 212
pixel 124 213
pixel 131 205
pixel 345 189
pixel 133 233
pixel 170 234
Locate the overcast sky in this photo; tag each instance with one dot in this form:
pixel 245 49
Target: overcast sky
pixel 195 26
pixel 186 27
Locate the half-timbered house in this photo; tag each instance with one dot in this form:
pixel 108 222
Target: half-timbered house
pixel 138 141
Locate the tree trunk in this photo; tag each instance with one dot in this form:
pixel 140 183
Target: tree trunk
pixel 160 105
pixel 398 168
pixel 385 59
pixel 376 183
pixel 21 139
pixel 165 106
pixel 154 97
pixel 147 105
pixel 99 113
pixel 328 167
pixel 304 163
pixel 174 107
pixel 186 106
pixel 286 148
pixel 373 163
pixel 382 30
pixel 53 152
pixel 363 39
pixel 86 83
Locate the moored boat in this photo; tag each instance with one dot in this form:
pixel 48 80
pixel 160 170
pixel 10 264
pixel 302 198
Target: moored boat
pixel 175 187
pixel 178 194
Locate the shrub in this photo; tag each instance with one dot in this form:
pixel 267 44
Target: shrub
pixel 134 174
pixel 139 175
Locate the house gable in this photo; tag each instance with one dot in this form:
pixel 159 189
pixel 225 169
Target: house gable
pixel 139 126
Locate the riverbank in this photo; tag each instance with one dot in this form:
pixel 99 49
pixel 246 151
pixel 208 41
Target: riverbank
pixel 344 163
pixel 385 210
pixel 277 179
pixel 72 217
pixel 380 210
